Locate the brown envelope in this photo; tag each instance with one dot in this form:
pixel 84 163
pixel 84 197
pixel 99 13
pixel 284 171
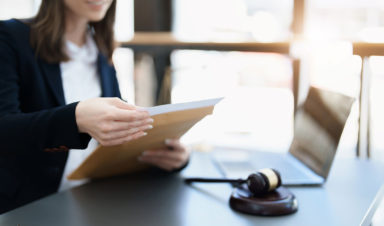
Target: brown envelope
pixel 121 159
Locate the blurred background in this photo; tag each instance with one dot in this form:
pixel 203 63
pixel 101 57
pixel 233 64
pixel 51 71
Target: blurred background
pixel 258 111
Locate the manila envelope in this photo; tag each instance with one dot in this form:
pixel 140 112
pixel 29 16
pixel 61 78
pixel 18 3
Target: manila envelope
pixel 122 159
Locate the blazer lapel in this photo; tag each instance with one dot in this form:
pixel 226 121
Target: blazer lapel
pixel 105 76
pixel 52 74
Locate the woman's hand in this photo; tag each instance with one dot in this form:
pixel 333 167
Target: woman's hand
pixel 169 159
pixel 112 121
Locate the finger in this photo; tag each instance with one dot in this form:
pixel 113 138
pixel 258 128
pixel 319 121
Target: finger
pixel 130 115
pixel 125 106
pixel 125 133
pixel 120 125
pixel 141 108
pixel 175 144
pixel 122 104
pixel 160 165
pixel 165 154
pixel 122 140
pixel 165 164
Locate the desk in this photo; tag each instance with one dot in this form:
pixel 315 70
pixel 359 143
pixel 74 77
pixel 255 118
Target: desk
pixel 349 198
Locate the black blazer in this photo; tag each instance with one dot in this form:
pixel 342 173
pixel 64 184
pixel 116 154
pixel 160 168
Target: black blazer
pixel 36 127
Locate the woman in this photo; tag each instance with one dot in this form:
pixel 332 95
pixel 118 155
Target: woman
pixel 58 93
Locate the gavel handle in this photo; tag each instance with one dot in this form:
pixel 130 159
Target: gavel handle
pixel 213 180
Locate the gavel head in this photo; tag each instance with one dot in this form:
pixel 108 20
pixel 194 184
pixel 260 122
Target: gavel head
pixel 265 180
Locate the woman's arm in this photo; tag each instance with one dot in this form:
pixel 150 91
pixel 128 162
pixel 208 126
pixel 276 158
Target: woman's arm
pixel 48 130
pixel 20 132
pixel 59 128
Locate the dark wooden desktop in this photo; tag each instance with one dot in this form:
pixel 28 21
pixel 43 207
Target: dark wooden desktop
pixel 349 197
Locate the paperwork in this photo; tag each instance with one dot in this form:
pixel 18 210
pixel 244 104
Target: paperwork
pixel 161 109
pixel 170 121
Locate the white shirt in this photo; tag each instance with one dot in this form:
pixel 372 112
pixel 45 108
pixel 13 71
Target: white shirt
pixel 81 81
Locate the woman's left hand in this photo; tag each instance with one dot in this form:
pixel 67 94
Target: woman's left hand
pixel 169 159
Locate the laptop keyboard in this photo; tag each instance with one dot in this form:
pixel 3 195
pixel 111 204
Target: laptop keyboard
pixel 241 169
pixel 286 168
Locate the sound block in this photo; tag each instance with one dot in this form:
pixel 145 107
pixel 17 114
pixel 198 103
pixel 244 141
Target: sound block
pixel 275 203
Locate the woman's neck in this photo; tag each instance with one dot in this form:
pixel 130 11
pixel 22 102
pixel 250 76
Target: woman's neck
pixel 75 29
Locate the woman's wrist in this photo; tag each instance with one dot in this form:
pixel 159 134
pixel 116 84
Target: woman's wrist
pixel 78 117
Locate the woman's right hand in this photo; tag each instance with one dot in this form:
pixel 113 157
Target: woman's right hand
pixel 112 121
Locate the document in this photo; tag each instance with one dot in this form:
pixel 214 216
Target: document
pixel 161 109
pixel 170 121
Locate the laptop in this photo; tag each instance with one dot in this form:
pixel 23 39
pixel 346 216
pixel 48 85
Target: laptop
pixel 319 123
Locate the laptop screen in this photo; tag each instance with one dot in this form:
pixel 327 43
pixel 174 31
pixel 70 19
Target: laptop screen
pixel 319 124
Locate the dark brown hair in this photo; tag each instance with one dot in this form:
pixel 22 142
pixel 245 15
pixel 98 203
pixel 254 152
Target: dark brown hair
pixel 48 28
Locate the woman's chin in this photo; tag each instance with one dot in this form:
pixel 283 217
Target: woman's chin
pixel 96 17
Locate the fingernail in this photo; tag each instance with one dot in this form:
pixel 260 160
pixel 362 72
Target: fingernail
pixel 145 134
pixel 150 120
pixel 150 127
pixel 168 141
